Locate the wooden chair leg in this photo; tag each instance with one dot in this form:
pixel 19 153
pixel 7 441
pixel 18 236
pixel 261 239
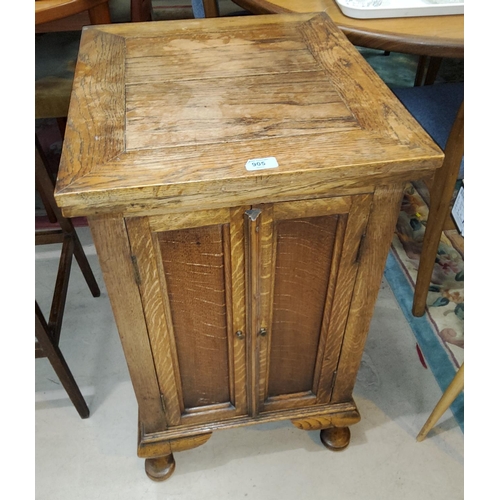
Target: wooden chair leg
pixel 432 70
pixel 211 8
pixel 56 359
pixel 427 70
pixel 421 68
pixel 440 200
pixel 46 204
pixel 85 268
pixel 100 14
pixel 45 186
pixel 48 334
pixel 456 386
pixel 140 10
pixel 61 288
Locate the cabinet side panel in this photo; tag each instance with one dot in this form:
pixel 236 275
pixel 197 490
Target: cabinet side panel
pixel 303 261
pixel 193 262
pixel 372 258
pixel 111 240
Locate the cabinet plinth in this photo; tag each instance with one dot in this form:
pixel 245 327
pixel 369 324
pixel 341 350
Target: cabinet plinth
pixel 242 179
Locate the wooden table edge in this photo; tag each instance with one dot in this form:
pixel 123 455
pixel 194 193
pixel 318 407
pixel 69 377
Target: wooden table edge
pixel 413 44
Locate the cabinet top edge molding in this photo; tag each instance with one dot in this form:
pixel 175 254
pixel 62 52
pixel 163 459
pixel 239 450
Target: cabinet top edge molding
pixel 229 103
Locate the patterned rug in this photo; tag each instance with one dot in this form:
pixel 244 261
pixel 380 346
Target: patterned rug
pixel 440 332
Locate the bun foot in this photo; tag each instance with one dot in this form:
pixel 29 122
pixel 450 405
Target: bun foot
pixel 160 468
pixel 335 438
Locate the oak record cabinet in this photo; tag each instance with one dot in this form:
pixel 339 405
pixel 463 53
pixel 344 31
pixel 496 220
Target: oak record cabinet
pixel 240 296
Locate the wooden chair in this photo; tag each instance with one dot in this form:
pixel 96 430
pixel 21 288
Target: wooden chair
pixel 52 92
pixel 54 10
pixel 52 102
pixel 48 333
pixel 440 110
pixel 53 89
pixel 74 14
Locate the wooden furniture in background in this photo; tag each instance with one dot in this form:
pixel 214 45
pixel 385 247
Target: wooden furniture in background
pixel 439 211
pixel 48 332
pixel 68 15
pixel 437 36
pixel 432 38
pixel 72 15
pixel 241 296
pixel 52 99
pixel 453 390
pixel 441 196
pixel 440 110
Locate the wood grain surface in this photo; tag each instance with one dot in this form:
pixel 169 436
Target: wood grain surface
pixel 304 254
pixel 157 315
pixel 181 90
pixel 112 244
pixel 240 296
pixel 194 269
pixel 372 257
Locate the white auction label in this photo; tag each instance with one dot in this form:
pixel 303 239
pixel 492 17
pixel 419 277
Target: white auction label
pixel 261 163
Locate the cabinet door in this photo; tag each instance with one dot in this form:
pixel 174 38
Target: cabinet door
pixel 190 271
pixel 303 259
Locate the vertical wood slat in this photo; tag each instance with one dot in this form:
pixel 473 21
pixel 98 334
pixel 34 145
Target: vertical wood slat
pixel 237 260
pixel 112 244
pixel 228 290
pixel 332 281
pixel 252 273
pixel 345 277
pixel 143 251
pixel 372 258
pixel 266 276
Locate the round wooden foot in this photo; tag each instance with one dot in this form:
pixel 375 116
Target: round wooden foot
pixel 161 468
pixel 335 438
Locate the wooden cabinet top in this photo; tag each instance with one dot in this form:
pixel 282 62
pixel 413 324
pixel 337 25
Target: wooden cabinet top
pixel 169 114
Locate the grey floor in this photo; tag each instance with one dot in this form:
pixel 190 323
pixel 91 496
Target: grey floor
pixel 96 458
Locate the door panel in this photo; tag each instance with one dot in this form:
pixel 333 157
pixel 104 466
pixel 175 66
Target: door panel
pixel 314 244
pixel 198 267
pixel 246 308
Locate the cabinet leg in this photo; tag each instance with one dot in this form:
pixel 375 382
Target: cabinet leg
pixel 160 468
pixel 335 438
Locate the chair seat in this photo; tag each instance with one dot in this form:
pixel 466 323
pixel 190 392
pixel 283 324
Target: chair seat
pixel 56 52
pixel 435 108
pixel 55 60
